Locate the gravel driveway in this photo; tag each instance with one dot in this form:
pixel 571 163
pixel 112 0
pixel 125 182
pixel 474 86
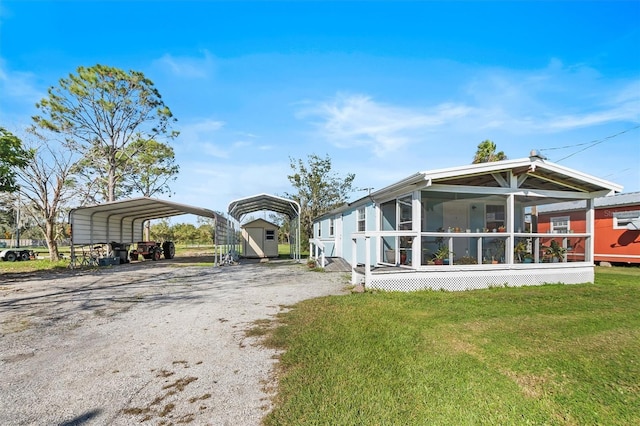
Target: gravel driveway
pixel 154 342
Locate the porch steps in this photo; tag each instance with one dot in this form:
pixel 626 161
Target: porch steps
pixel 337 264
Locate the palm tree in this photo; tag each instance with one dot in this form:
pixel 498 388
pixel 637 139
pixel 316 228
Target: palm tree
pixel 487 152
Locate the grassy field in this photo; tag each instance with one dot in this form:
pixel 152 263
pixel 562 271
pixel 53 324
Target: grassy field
pixel 554 354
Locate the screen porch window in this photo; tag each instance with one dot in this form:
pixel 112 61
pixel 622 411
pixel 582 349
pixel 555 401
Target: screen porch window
pixel 361 219
pixel 560 225
pixel 494 217
pixel 622 219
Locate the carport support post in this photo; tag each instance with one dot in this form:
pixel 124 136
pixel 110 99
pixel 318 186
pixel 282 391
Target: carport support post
pixel 215 241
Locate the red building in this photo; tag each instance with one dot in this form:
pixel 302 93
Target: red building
pixel 616 227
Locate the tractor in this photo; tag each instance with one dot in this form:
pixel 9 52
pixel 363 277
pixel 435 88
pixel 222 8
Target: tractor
pixel 153 250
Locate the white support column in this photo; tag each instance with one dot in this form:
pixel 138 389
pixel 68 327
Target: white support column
pixel 367 261
pixel 354 262
pixel 377 239
pixel 416 226
pixel 509 243
pixel 590 221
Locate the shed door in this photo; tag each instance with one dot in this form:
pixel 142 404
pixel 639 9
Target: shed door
pixel 255 242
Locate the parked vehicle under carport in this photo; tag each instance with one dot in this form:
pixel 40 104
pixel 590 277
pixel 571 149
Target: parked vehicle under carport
pixel 11 255
pixel 153 250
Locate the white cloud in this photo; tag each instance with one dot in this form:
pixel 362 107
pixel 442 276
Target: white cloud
pixel 188 67
pixel 20 86
pixel 199 137
pixel 554 99
pixel 215 184
pixel 357 120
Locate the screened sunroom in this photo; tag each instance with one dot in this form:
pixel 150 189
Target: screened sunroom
pixel 469 227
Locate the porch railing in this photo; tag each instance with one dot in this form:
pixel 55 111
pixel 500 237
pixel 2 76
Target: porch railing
pixel 400 248
pixel 317 251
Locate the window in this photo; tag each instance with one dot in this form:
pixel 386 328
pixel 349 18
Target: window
pixel 319 229
pixel 271 234
pixel 560 225
pixel 361 220
pixel 405 212
pixel 331 229
pixel 495 217
pixel 622 219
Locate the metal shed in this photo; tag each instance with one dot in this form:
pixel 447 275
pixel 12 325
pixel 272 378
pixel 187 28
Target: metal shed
pixel 122 221
pixel 290 208
pixel 259 239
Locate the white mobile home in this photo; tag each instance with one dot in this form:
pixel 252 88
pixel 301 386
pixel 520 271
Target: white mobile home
pixel 462 228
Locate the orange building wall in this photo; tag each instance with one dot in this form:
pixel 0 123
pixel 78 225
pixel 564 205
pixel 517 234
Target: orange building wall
pixel 611 245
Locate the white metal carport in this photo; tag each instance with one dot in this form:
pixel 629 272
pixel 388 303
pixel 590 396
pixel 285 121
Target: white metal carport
pixel 123 221
pixel 265 202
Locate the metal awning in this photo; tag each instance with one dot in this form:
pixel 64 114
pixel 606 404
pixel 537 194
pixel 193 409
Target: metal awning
pixel 122 221
pixel 239 208
pixel 265 202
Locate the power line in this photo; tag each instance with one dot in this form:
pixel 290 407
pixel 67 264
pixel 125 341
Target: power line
pixel 589 144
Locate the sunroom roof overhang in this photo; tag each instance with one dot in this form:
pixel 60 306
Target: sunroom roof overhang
pixel 528 175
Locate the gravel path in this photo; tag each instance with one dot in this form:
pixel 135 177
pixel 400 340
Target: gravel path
pixel 160 342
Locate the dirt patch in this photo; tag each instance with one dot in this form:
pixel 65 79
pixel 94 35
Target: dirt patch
pixel 163 342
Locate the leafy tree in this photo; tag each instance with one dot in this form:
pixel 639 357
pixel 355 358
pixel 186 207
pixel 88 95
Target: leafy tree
pixel 284 230
pixel 206 229
pixel 162 231
pixel 319 190
pixel 108 116
pixel 12 156
pixel 151 168
pixel 7 215
pixel 185 232
pixel 206 233
pixel 486 153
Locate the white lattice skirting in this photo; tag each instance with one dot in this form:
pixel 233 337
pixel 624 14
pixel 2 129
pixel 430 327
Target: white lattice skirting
pixel 470 278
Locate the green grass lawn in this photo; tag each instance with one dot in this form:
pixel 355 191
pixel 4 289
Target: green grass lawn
pixel 553 354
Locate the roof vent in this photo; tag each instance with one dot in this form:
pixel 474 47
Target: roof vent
pixel 535 154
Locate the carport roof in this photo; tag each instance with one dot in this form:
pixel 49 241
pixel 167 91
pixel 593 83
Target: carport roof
pixel 122 221
pixel 142 208
pixel 243 206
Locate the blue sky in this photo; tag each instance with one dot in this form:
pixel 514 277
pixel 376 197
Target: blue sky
pixel 385 89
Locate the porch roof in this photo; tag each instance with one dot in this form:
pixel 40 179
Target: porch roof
pixel 533 173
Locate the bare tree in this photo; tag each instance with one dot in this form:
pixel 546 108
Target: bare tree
pixel 46 189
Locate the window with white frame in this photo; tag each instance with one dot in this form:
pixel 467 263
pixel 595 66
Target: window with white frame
pixel 331 228
pixel 405 213
pixel 271 234
pixel 622 219
pixel 361 219
pixel 319 229
pixel 560 224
